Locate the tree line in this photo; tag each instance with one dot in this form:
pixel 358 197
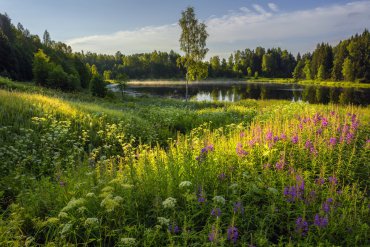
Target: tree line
pixel 26 57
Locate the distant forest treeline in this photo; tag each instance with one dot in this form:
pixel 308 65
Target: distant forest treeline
pixel 24 56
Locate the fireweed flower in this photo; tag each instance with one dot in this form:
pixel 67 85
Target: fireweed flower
pixel 240 151
pixel 175 229
pixel 238 208
pixel 283 136
pixel 212 236
pixel 216 212
pixel 280 165
pixel 269 136
pixel 301 226
pixel 295 139
pixel 333 180
pixel 326 206
pixel 324 122
pixel 232 234
pixel 276 139
pixel 332 141
pixel 320 181
pixel 321 221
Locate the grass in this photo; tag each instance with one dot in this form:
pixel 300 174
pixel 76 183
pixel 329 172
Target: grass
pixel 81 171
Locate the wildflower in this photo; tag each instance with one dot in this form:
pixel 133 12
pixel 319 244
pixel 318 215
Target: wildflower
pixel 110 203
pixel 269 136
pixel 242 134
pixel 163 221
pixel 283 136
pixel 320 181
pixel 276 139
pixel 174 229
pixel 238 208
pixel 74 203
pixel 184 184
pixel 295 139
pixel 170 202
pixel 128 241
pixel 240 151
pixel 90 195
pixel 216 212
pixel 326 205
pixel 301 226
pixel 66 228
pixel 222 176
pixel 332 141
pixel 212 236
pixel 319 131
pixel 201 198
pixel 90 222
pixel 333 180
pixel 232 234
pixel 280 165
pixel 324 122
pixel 219 199
pixel 308 144
pixel 321 221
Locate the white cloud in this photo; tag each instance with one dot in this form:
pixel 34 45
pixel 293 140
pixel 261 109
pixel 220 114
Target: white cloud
pixel 296 31
pixel 273 7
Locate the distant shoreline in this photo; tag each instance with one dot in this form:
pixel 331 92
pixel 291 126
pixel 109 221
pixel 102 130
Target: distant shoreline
pixel 251 80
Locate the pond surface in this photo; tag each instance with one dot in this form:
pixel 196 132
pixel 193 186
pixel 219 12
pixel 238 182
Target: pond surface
pixel 240 90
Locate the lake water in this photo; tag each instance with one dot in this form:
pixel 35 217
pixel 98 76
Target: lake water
pixel 237 91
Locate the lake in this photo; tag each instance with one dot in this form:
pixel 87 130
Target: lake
pixel 235 91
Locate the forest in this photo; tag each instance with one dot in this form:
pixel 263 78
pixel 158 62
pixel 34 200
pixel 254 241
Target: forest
pixel 27 57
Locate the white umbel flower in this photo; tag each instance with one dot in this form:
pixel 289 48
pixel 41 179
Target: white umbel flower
pixel 219 199
pixel 163 221
pixel 170 202
pixel 184 184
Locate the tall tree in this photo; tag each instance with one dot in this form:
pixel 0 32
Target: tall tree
pixel 46 38
pixel 193 43
pixel 348 70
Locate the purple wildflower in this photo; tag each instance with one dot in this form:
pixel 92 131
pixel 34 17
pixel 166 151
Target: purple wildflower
pixel 280 165
pixel 333 180
pixel 238 208
pixel 301 226
pixel 295 139
pixel 326 205
pixel 269 136
pixel 212 236
pixel 222 176
pixel 283 136
pixel 308 144
pixel 319 131
pixel 232 234
pixel 216 212
pixel 175 229
pixel 333 141
pixel 324 122
pixel 240 151
pixel 276 139
pixel 321 221
pixel 242 134
pixel 320 181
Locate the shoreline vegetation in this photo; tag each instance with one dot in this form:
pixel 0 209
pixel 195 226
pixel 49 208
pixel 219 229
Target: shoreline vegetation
pixel 231 81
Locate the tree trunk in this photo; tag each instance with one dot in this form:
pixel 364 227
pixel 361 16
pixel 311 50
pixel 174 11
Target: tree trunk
pixel 186 93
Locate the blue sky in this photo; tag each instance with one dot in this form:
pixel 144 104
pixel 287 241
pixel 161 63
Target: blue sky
pixel 133 26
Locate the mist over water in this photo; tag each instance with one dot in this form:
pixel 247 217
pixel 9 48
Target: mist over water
pixel 239 91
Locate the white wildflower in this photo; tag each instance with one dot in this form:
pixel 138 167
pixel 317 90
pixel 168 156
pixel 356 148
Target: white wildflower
pixel 63 215
pixel 66 228
pixel 90 195
pixel 92 222
pixel 170 202
pixel 219 199
pixel 163 221
pixel 73 203
pixel 184 184
pixel 109 203
pixel 128 241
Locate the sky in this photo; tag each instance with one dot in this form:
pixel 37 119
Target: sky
pixel 136 26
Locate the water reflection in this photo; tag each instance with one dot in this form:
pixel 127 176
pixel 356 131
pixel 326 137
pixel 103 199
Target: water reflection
pixel 236 92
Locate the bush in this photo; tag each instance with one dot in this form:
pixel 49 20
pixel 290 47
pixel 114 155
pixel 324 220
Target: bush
pixel 97 86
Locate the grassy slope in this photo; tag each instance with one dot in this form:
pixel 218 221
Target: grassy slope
pixel 71 173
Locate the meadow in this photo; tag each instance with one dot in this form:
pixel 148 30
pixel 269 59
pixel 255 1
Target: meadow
pixel 82 171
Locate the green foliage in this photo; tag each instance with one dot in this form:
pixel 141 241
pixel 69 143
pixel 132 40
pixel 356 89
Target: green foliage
pixel 41 67
pixel 348 70
pixel 97 86
pixel 321 75
pixel 307 70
